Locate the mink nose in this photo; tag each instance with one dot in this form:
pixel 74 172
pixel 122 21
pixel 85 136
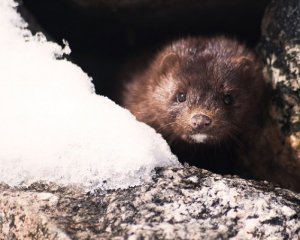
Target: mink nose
pixel 200 121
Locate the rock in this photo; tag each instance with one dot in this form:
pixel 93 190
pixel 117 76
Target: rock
pixel 21 216
pixel 280 46
pixel 186 203
pixel 276 152
pixel 196 16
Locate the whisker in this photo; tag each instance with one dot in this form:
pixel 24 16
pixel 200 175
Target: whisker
pixel 168 124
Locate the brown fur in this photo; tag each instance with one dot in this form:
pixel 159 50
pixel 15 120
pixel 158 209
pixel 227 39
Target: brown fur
pixel 206 69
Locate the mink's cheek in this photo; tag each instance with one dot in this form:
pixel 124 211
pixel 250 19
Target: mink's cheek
pixel 168 84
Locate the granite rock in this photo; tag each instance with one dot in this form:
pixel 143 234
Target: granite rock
pixel 275 150
pixel 184 203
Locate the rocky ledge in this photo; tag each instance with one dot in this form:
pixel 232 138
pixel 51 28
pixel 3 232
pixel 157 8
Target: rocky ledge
pixel 184 203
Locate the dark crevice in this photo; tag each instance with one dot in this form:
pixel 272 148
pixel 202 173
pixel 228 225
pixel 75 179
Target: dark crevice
pixel 103 36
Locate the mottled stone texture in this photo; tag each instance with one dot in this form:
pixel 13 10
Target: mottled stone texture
pixel 185 203
pixel 280 47
pixel 275 154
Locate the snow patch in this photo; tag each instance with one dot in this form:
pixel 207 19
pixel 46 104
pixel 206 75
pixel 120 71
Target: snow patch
pixel 54 127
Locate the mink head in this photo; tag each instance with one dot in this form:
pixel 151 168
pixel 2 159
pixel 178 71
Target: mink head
pixel 201 90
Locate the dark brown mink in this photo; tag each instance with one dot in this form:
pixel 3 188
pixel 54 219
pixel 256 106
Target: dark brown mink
pixel 203 95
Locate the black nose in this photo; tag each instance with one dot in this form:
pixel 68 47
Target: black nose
pixel 200 121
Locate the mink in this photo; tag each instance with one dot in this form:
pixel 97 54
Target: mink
pixel 203 94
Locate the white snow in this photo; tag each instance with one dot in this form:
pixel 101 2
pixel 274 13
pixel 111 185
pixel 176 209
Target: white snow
pixel 54 127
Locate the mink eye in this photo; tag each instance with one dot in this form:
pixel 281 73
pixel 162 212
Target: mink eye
pixel 227 99
pixel 181 97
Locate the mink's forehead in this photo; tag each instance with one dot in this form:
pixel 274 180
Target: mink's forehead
pixel 216 47
pixel 206 72
pixel 210 65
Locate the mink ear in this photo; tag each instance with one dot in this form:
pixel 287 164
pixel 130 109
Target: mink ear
pixel 244 62
pixel 168 62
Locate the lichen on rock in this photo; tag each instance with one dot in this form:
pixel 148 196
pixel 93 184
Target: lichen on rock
pixel 280 46
pixel 275 155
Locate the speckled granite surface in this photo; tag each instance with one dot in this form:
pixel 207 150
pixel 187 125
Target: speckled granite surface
pixel 183 203
pixel 275 154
